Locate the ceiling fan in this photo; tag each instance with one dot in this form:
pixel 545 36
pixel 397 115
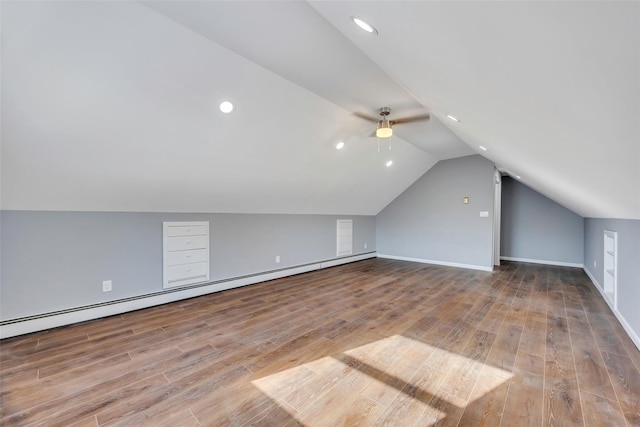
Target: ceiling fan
pixel 385 126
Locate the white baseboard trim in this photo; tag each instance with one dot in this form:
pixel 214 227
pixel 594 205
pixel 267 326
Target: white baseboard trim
pixel 54 320
pixel 625 325
pixel 593 280
pixel 346 260
pixel 632 334
pixel 541 261
pixel 430 261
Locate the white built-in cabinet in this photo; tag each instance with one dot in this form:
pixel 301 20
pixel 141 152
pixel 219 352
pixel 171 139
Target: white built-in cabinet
pixel 185 253
pixel 610 266
pixel 344 237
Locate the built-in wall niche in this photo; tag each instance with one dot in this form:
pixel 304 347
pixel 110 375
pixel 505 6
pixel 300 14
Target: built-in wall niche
pixel 185 253
pixel 611 266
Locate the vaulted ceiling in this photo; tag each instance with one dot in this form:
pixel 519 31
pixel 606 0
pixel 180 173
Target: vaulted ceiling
pixel 112 106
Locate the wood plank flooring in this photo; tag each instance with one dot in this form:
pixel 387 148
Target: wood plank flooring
pixel 377 342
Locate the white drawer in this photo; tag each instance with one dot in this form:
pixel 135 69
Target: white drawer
pixel 187 230
pixel 186 257
pixel 198 270
pixel 186 243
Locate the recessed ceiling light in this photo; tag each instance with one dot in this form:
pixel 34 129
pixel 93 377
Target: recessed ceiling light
pixel 340 145
pixel 226 107
pixel 453 118
pixel 482 148
pixel 389 163
pixel 364 25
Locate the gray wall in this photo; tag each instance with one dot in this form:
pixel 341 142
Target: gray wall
pixel 537 228
pixel 429 221
pixel 628 262
pixel 58 260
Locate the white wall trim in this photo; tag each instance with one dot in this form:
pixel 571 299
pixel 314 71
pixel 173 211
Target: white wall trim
pixel 627 327
pixel 430 261
pixel 109 309
pixel 542 261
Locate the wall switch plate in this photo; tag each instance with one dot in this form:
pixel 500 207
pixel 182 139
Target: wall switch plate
pixel 595 265
pixel 484 214
pixel 365 246
pixel 107 286
pixel 277 259
pixel 465 200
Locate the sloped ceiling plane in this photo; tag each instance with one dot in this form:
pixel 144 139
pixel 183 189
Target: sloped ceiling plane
pixel 113 105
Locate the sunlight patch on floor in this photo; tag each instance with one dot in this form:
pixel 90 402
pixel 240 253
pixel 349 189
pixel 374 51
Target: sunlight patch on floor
pixel 388 378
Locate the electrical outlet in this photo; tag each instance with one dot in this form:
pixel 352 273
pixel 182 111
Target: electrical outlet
pixel 106 286
pixel 365 246
pixel 277 259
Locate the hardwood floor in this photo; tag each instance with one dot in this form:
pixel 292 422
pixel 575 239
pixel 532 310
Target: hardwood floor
pixel 377 342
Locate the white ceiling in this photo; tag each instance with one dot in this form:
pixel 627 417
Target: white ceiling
pixel 112 105
pixel 294 41
pixel 552 89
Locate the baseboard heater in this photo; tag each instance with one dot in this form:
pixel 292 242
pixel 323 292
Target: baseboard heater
pixel 39 322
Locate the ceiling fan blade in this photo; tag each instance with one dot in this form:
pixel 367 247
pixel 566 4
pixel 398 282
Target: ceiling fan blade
pixel 364 116
pixel 411 119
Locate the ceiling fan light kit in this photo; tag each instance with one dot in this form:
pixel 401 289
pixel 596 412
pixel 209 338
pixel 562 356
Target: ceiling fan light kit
pixel 384 129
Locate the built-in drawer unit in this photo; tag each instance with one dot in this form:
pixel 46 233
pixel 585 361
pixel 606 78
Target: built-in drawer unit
pixel 185 253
